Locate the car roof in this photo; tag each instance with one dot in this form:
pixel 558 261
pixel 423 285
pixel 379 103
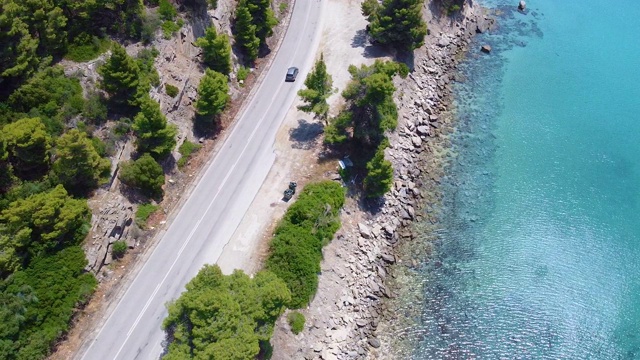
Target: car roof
pixel 292 70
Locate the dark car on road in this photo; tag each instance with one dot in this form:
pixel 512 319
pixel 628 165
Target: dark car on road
pixel 292 73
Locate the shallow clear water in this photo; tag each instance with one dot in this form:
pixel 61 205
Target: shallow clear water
pixel 538 253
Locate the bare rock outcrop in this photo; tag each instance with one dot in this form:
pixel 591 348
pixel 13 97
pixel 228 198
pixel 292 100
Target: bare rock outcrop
pixel 112 223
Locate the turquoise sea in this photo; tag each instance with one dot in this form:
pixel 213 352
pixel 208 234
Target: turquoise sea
pixel 538 250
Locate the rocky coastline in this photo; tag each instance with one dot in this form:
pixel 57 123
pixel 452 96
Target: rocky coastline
pixel 354 287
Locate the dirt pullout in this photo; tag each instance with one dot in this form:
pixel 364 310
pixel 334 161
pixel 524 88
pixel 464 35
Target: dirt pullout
pixel 298 141
pixel 344 317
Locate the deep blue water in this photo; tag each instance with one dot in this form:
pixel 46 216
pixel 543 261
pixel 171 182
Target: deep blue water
pixel 538 251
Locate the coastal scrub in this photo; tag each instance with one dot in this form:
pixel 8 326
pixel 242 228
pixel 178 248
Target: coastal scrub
pixel 296 249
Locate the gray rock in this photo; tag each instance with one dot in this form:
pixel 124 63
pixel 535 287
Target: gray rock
pixel 483 25
pixel 522 5
pixel 423 130
pixel 361 322
pixel 486 49
pixel 389 258
pixel 318 347
pixel 365 231
pixel 417 142
pixel 389 228
pixel 374 342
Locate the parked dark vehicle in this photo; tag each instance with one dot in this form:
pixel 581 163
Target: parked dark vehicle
pixel 290 191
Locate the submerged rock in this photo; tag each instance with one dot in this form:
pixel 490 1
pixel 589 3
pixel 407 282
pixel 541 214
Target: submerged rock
pixel 486 49
pixel 522 5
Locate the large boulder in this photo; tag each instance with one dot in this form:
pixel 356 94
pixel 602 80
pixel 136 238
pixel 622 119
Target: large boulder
pixel 365 231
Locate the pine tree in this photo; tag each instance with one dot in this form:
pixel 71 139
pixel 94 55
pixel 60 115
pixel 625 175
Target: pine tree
pixel 78 166
pixel 263 18
pixel 245 32
pixel 216 50
pixel 28 146
pixel 396 22
pixel 121 77
pixel 150 127
pixel 379 173
pixel 319 87
pixel 213 94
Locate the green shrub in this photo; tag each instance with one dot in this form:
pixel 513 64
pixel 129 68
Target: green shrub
pixel 118 249
pixel 166 10
pixel 296 321
pixel 146 62
pixel 122 127
pixel 85 48
pixel 453 9
pixel 150 23
pixel 296 248
pixel 169 27
pixel 242 74
pixel 403 70
pixel 186 149
pixel 95 108
pixel 283 7
pixel 171 90
pixel 144 174
pixel 143 213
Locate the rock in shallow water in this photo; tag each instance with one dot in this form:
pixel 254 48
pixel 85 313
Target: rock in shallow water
pixel 522 5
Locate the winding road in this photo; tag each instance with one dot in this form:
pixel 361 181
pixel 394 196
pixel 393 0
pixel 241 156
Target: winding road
pixel 214 209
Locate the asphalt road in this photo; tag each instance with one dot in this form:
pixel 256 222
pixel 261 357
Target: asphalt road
pixel 208 219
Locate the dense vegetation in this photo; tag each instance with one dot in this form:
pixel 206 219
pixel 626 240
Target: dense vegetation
pixel 397 23
pixel 33 33
pixel 369 113
pixel 224 317
pixel 296 248
pixel 49 158
pixel 319 86
pixel 37 302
